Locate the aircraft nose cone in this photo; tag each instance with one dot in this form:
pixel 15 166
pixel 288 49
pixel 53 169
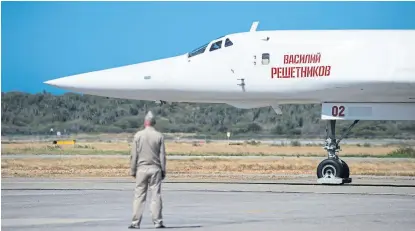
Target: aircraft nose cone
pixel 141 76
pixel 65 82
pixel 53 82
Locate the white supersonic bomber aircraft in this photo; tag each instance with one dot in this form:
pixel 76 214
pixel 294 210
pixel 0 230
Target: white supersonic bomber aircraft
pixel 355 75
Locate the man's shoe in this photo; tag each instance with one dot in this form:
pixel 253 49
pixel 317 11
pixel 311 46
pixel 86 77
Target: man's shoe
pixel 160 226
pixel 134 226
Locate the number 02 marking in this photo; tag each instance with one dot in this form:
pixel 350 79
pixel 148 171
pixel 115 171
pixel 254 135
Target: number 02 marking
pixel 337 111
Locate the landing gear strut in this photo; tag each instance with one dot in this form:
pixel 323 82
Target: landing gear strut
pixel 333 170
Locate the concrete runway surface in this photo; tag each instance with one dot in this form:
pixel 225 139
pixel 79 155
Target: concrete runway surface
pixel 106 204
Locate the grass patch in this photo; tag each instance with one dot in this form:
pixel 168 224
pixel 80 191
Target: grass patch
pixel 119 167
pixel 248 148
pixel 408 152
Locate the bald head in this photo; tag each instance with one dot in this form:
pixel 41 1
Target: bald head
pixel 149 119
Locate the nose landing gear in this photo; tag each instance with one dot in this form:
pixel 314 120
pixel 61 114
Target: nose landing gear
pixel 333 170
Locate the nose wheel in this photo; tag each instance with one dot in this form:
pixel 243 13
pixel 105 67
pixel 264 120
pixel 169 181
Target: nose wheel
pixel 333 170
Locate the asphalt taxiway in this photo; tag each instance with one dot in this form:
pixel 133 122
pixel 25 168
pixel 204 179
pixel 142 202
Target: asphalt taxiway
pixel 106 204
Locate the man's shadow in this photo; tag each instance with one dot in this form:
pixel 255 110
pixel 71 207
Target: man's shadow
pixel 183 227
pixel 179 227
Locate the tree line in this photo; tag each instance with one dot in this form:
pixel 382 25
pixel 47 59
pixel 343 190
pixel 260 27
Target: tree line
pixel 36 114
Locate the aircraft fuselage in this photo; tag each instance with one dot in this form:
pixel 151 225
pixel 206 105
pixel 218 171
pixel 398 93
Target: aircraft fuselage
pixel 261 68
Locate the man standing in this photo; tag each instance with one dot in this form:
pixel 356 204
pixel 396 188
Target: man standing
pixel 148 167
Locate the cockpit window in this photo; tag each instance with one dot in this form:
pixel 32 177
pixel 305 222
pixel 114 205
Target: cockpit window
pixel 228 43
pixel 215 46
pixel 198 51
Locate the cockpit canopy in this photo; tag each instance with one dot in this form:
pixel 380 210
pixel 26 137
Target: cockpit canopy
pixel 216 45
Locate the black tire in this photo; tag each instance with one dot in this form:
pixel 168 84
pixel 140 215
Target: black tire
pixel 346 170
pixel 332 165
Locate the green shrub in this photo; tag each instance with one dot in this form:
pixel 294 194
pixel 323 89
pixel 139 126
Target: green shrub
pixel 407 152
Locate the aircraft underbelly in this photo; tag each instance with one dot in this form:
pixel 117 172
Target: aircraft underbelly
pixel 369 92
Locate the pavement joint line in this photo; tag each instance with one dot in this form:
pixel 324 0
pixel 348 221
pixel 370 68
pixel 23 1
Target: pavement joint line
pixel 239 183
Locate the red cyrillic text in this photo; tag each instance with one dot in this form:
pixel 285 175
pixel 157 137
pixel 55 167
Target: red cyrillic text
pixel 297 59
pixel 300 72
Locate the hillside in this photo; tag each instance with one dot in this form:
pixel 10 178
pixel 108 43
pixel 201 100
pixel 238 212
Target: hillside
pixel 24 113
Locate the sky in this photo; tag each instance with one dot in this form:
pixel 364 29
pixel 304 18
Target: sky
pixel 46 40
